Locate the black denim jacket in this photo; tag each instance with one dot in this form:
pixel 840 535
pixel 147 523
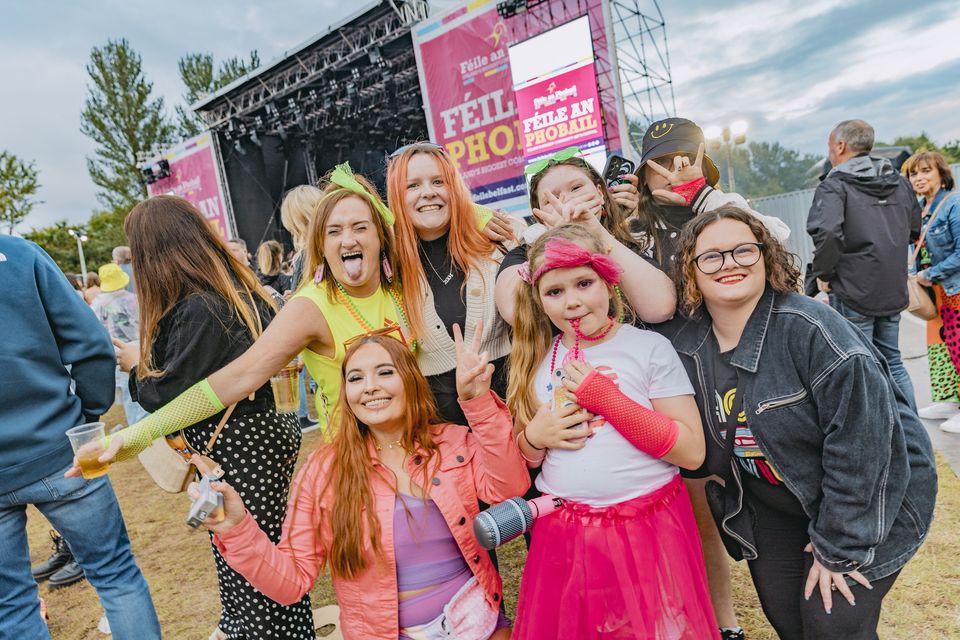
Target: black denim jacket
pixel 827 415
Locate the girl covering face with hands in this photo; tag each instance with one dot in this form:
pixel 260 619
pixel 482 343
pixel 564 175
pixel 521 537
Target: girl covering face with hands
pixel 607 409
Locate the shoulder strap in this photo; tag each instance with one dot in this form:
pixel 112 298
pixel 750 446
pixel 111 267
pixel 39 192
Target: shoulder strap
pixel 926 227
pixel 216 432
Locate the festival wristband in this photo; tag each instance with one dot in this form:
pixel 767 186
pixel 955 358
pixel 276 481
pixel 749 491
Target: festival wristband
pixel 647 430
pixel 197 403
pixel 690 189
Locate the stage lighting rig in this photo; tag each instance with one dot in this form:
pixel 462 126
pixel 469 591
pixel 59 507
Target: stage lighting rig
pixel 510 8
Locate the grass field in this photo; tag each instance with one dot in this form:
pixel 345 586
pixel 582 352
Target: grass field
pixel 924 603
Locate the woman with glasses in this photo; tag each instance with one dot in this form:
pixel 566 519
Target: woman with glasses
pixel 829 480
pixel 447 265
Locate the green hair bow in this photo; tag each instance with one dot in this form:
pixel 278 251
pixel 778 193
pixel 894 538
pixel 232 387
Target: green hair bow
pixel 343 177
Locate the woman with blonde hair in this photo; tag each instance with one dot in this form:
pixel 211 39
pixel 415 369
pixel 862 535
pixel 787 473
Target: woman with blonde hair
pixel 270 267
pixel 199 309
pixel 296 211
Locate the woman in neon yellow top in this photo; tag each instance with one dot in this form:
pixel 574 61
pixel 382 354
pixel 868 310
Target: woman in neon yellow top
pixel 351 291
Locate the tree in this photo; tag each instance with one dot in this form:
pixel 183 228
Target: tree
pixel 122 119
pixel 18 186
pixel 766 168
pixel 57 241
pixel 198 76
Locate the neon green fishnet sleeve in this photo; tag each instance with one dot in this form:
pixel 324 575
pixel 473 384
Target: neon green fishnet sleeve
pixel 190 407
pixel 484 215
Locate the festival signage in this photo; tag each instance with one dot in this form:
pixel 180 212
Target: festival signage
pixel 555 90
pixel 194 176
pixel 468 91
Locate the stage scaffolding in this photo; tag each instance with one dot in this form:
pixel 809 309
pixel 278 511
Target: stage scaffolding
pixel 643 59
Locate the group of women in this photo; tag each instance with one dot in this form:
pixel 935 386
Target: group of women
pixel 403 317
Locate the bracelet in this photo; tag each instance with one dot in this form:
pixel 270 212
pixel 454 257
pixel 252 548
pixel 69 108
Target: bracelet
pixel 523 455
pixel 535 448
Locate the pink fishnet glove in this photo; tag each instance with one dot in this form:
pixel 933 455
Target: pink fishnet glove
pixel 647 430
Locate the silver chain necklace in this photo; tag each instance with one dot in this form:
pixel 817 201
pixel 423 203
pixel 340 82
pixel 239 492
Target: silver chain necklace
pixel 441 278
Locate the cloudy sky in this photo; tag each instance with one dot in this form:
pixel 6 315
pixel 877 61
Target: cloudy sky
pixel 791 68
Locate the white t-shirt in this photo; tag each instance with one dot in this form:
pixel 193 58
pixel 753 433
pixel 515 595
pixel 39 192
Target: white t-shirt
pixel 609 469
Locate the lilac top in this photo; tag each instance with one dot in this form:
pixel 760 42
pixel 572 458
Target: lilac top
pixel 427 556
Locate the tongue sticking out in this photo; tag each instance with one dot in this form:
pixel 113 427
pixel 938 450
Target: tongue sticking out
pixel 353 267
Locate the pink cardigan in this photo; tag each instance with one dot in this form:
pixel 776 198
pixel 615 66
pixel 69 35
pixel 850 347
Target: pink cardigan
pixel 484 464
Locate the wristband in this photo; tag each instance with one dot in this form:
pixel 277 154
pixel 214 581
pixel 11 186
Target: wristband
pixel 523 455
pixel 532 446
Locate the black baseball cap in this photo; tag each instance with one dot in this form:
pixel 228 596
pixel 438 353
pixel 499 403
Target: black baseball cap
pixel 677 135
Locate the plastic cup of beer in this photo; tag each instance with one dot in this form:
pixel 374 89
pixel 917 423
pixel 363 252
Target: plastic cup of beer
pixel 286 389
pixel 85 440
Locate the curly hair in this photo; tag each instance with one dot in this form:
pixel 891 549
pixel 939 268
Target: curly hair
pixel 782 270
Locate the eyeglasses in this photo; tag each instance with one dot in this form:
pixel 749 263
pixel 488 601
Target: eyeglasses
pixel 424 145
pixel 388 329
pixel 745 255
pixel 559 156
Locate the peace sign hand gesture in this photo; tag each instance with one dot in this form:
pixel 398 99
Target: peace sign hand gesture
pixel 586 209
pixel 474 369
pixel 682 173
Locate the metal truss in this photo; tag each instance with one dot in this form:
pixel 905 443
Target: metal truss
pixel 643 59
pixel 314 80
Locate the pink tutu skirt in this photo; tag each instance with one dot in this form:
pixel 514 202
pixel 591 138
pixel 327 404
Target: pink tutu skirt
pixel 633 570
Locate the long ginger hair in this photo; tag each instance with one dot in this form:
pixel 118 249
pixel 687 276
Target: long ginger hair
pixel 532 329
pixel 468 247
pixel 176 254
pixel 351 469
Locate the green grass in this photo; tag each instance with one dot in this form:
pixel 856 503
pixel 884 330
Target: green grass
pixel 924 603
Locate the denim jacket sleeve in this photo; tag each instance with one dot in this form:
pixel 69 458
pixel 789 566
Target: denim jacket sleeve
pixel 857 412
pixel 951 264
pixel 825 226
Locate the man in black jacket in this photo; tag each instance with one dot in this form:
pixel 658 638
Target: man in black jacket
pixel 863 219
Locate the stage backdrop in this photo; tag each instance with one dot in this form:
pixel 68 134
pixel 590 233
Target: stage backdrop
pixel 194 176
pixel 467 87
pixel 555 88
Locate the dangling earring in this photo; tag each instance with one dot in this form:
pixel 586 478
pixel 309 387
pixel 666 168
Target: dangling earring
pixel 319 273
pixel 387 269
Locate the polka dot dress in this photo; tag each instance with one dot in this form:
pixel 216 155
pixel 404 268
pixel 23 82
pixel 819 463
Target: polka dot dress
pixel 258 452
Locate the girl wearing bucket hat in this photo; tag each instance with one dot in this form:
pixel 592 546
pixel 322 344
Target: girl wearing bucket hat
pixel 678 181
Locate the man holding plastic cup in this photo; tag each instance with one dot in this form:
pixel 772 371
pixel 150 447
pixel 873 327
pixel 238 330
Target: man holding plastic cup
pixel 57 372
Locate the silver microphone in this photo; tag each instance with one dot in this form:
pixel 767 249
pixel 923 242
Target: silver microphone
pixel 503 522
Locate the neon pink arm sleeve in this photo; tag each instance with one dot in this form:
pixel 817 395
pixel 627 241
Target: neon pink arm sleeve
pixel 647 430
pixel 286 571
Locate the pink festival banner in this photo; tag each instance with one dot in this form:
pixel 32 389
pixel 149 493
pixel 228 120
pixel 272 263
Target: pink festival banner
pixel 560 112
pixel 194 177
pixel 465 78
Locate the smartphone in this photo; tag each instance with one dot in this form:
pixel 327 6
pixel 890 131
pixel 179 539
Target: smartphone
pixel 615 169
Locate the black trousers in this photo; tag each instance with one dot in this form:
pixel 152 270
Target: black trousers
pixel 780 572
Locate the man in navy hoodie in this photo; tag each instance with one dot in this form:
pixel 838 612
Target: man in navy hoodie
pixel 57 371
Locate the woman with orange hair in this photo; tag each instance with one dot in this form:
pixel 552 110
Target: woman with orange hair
pixel 389 504
pixel 447 265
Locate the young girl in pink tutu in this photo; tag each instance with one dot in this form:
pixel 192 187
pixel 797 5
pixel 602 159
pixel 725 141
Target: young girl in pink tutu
pixel 609 413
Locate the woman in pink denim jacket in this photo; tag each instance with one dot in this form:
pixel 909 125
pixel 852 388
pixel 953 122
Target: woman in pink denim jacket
pixel 390 504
